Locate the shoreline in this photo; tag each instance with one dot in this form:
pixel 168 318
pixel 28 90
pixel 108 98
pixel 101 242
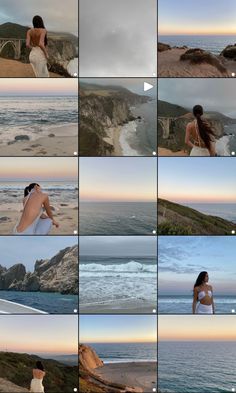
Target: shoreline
pixel 131 307
pixel 113 138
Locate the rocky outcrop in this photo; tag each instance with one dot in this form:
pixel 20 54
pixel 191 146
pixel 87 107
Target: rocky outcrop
pixel 88 357
pixel 9 387
pixel 229 52
pixel 162 47
pixel 200 56
pixel 58 274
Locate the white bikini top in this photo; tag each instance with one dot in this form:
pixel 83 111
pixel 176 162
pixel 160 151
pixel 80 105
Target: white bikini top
pixel 202 294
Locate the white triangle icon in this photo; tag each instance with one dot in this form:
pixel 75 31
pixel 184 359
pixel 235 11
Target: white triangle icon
pixel 147 86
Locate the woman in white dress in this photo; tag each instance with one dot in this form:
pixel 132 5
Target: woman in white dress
pixel 36 385
pixel 36 40
pixel 33 220
pixel 199 135
pixel 203 302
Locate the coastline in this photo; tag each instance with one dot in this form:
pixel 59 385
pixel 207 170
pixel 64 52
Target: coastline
pixel 63 143
pixel 142 375
pixel 15 69
pixel 113 138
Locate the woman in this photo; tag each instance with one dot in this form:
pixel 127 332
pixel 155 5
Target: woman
pixel 36 40
pixel 203 302
pixel 36 385
pixel 199 135
pixel 33 221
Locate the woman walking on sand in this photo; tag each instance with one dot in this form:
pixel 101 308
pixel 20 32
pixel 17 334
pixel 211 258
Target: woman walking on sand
pixel 203 302
pixel 33 221
pixel 199 135
pixel 36 385
pixel 36 40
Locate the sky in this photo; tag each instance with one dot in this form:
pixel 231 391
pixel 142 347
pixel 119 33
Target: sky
pixel 176 17
pixel 114 179
pixel 27 250
pixel 117 328
pixel 197 328
pixel 213 94
pixel 35 334
pixel 118 38
pixel 38 87
pixel 118 245
pixel 36 169
pixel 197 180
pixel 133 84
pixel 58 15
pixel 181 259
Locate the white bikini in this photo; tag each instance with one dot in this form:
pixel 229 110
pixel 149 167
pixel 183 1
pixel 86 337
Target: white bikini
pixel 40 226
pixel 204 308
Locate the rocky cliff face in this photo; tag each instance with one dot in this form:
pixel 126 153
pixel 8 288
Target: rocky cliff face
pixel 58 274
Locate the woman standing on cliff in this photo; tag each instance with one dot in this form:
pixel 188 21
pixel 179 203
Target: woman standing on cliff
pixel 36 385
pixel 33 221
pixel 199 135
pixel 36 40
pixel 203 302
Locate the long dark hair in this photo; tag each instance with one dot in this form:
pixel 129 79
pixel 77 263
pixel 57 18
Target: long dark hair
pixel 200 279
pixel 204 128
pixel 39 365
pixel 39 24
pixel 29 188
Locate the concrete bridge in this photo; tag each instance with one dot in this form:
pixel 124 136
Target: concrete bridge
pixel 165 123
pixel 15 43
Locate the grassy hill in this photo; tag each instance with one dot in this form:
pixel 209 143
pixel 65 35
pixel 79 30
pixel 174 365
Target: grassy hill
pixel 17 368
pixel 166 109
pixel 175 219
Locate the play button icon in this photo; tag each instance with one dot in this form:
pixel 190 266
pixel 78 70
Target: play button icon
pixel 147 86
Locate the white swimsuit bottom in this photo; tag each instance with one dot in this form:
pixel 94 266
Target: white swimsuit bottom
pixel 36 386
pixel 204 309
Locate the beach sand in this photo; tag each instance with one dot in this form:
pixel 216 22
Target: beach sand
pixel 163 152
pixel 169 65
pixel 15 69
pixel 66 217
pixel 142 375
pixel 64 143
pixel 127 307
pixel 113 138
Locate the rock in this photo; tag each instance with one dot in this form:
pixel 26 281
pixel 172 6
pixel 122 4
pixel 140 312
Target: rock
pixel 64 204
pixel 16 272
pixel 200 56
pixel 163 47
pixel 4 219
pixel 229 52
pixel 9 387
pixel 22 138
pixel 88 357
pixel 30 283
pixel 51 135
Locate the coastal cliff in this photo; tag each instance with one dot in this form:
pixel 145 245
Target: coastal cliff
pixel 175 219
pixel 103 107
pixel 58 274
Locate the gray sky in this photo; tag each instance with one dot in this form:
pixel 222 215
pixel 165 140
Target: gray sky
pixel 118 245
pixel 26 250
pixel 133 84
pixel 58 15
pixel 213 94
pixel 118 38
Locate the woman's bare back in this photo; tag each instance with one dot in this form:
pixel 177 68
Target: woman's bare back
pixel 36 36
pixel 38 374
pixel 32 208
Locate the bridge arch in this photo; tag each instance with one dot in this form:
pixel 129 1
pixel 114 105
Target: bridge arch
pixel 15 43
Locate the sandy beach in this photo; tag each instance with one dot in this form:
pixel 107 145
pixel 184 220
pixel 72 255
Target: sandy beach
pixel 127 307
pixel 113 138
pixel 142 375
pixel 169 65
pixel 163 152
pixel 60 141
pixel 16 69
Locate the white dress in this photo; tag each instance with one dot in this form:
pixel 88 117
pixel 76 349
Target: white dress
pixel 36 386
pixel 38 62
pixel 198 151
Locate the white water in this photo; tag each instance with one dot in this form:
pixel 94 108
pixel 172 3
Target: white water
pixel 222 146
pixel 128 132
pixel 73 67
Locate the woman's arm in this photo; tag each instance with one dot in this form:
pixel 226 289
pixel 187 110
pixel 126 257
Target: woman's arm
pixel 195 298
pixel 48 209
pixel 28 40
pixel 41 43
pixel 188 136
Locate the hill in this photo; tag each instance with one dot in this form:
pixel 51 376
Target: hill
pixel 175 219
pixel 166 109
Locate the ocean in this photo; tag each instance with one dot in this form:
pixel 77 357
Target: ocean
pixel 223 210
pixel 230 139
pixel 196 367
pixel 213 43
pixel 139 137
pixel 117 218
pixel 35 116
pixel 53 303
pixel 115 280
pixel 127 352
pixel 182 304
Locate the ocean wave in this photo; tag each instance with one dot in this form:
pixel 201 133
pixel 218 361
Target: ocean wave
pixel 128 132
pixel 130 267
pixel 223 146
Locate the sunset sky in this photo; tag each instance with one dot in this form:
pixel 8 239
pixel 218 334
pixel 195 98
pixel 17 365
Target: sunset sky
pixel 38 87
pixel 34 169
pixel 39 334
pixel 197 328
pixel 117 328
pixel 176 17
pixel 115 179
pixel 197 180
pixel 182 258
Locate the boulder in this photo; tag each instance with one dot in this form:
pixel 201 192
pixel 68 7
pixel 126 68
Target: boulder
pixel 163 47
pixel 229 52
pixel 16 272
pixel 22 138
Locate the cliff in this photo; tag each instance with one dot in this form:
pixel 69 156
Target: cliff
pixel 58 274
pixel 16 368
pixel 90 382
pixel 175 219
pixel 102 107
